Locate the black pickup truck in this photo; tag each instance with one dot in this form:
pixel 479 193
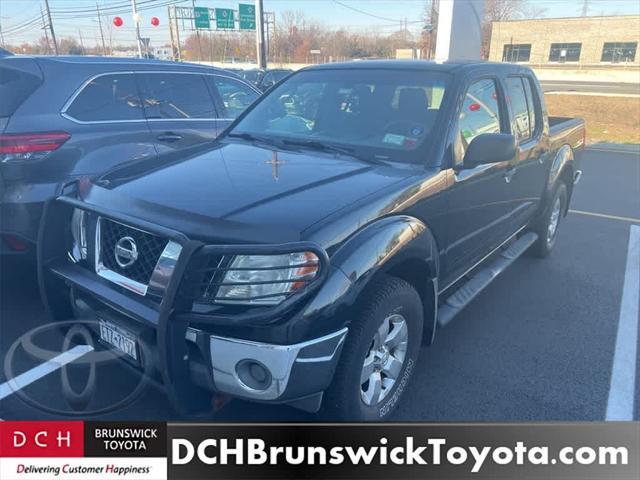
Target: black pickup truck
pixel 306 254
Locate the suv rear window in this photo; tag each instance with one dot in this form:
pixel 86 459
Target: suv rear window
pixel 108 98
pixel 15 88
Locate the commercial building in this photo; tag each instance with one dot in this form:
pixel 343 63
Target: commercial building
pixel 608 42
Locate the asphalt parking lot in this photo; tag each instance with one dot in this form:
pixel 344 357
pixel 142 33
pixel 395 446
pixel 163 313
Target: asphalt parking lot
pixel 538 344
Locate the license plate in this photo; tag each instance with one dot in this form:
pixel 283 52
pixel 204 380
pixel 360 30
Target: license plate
pixel 119 339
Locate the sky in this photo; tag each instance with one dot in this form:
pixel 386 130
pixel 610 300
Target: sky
pixel 20 20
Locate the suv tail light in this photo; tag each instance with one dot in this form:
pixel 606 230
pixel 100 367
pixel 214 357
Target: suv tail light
pixel 30 146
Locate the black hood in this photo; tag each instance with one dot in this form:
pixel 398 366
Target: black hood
pixel 240 192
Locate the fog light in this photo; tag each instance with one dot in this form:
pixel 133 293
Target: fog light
pixel 254 374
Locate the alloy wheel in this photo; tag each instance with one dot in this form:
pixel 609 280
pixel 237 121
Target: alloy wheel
pixel 384 360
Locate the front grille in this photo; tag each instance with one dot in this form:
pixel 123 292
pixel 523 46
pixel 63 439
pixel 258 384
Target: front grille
pixel 149 248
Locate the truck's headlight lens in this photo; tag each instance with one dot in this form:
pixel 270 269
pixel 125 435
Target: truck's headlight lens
pixel 79 234
pixel 266 279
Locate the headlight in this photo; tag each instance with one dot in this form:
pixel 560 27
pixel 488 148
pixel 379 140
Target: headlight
pixel 266 279
pixel 79 234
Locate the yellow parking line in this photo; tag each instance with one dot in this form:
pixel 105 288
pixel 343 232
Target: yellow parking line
pixel 608 217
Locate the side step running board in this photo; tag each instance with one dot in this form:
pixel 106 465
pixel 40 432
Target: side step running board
pixel 483 277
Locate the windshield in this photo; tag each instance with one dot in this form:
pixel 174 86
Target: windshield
pixel 388 114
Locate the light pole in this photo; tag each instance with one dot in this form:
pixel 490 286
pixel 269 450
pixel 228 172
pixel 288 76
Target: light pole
pixel 136 20
pixel 260 43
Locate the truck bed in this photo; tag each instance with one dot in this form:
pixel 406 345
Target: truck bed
pixel 566 130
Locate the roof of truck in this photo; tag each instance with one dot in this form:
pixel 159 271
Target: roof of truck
pixel 412 65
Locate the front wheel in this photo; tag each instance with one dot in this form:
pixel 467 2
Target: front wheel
pixel 379 355
pixel 547 228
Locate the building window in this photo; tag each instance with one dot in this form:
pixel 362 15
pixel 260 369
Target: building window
pixel 565 52
pixel 516 52
pixel 619 52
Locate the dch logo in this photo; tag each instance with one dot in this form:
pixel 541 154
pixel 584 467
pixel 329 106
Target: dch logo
pixel 42 439
pixel 63 439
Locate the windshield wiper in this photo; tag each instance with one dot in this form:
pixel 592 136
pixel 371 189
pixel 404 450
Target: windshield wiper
pixel 327 147
pixel 250 137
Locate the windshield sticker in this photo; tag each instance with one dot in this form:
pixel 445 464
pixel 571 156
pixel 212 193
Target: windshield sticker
pixel 467 133
pixel 417 130
pixel 394 139
pixel 410 142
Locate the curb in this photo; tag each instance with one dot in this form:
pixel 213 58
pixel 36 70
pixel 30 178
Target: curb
pixel 615 147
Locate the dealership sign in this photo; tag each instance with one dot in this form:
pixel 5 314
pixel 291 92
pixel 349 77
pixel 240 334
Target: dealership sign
pixel 77 450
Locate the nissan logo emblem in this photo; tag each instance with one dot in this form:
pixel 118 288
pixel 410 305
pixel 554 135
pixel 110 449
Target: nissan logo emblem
pixel 125 252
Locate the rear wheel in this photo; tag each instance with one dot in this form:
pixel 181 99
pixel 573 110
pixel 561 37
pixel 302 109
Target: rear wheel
pixel 379 355
pixel 547 228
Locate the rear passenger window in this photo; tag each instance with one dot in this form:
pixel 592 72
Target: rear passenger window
pixel 480 113
pixel 235 95
pixel 177 96
pixel 107 98
pixel 518 100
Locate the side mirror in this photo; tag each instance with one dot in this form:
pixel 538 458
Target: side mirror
pixel 490 148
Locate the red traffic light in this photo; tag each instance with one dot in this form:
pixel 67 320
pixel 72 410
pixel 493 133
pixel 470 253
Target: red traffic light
pixel 117 21
pixel 155 21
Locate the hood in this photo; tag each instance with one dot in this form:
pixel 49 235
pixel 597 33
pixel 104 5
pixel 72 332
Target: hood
pixel 241 192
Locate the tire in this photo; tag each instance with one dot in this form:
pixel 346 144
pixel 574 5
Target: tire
pixel 548 225
pixel 389 305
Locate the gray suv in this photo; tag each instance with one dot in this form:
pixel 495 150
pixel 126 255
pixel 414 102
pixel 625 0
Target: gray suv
pixel 63 118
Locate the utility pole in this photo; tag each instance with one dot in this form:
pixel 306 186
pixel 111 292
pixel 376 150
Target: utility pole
pixel 174 55
pixel 433 20
pixel 104 47
pixel 585 8
pixel 81 42
pixel 53 34
pixel 136 20
pixel 174 28
pixel 260 43
pixel 193 4
pixel 44 28
pixel 268 41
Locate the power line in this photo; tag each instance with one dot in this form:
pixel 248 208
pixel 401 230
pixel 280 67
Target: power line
pixel 117 8
pixel 395 20
pixel 21 25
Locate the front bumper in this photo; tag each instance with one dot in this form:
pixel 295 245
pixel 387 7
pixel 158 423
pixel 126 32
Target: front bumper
pixel 213 362
pixel 283 371
pixel 192 356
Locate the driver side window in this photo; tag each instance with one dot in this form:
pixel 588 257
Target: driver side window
pixel 480 114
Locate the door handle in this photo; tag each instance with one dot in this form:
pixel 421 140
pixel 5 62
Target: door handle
pixel 169 137
pixel 509 173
